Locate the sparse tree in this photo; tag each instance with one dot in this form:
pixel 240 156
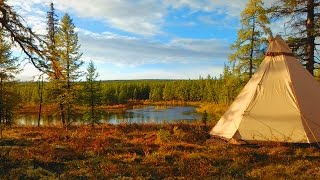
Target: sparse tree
pixel 68 51
pixel 51 56
pixel 250 44
pixel 302 28
pixel 92 95
pixel 50 47
pixel 8 68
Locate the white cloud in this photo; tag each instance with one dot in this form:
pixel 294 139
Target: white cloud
pixel 139 16
pixel 34 17
pixel 230 8
pixel 122 50
pixel 28 73
pixel 143 17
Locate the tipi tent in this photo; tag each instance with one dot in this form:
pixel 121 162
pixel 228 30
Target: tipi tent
pixel 281 102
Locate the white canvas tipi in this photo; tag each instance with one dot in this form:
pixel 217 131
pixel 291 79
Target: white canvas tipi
pixel 281 102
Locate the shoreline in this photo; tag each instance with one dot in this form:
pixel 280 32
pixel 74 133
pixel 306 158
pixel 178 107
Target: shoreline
pixel 49 108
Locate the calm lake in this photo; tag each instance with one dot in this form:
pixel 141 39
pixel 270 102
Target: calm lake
pixel 141 114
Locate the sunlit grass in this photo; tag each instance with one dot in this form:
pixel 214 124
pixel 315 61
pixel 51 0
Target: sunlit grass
pixel 146 151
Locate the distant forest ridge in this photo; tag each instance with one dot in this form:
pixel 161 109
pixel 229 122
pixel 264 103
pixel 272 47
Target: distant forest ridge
pixel 218 90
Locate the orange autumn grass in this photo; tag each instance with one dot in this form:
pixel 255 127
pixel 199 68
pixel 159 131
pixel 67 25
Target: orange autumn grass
pixel 145 151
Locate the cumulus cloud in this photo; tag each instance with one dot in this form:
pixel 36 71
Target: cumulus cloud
pixel 143 17
pixel 122 50
pixel 139 16
pixel 33 17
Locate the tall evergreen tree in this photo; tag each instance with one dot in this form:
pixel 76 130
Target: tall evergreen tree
pixel 70 62
pixel 8 68
pixel 302 28
pixel 92 94
pixel 250 44
pixel 53 58
pixel 69 48
pixel 52 54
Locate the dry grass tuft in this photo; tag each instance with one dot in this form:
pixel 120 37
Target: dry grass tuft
pixel 146 151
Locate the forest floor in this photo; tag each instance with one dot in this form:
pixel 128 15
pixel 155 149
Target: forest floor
pixel 146 151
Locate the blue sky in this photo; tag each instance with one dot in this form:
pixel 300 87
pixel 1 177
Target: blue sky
pixel 145 39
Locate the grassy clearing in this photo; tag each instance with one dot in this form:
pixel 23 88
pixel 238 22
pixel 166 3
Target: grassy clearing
pixel 146 151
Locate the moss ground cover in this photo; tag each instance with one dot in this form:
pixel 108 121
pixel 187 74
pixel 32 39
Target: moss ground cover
pixel 146 151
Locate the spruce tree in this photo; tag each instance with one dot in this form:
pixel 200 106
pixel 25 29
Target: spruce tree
pixel 51 49
pixel 51 56
pixel 8 68
pixel 92 95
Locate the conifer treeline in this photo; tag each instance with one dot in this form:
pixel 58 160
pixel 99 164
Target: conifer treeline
pixel 219 90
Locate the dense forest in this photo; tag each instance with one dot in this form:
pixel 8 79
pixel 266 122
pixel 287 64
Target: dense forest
pixel 210 89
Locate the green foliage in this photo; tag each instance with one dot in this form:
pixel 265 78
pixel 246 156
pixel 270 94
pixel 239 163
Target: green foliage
pixel 168 92
pixel 250 45
pixel 68 47
pixel 9 102
pixel 216 90
pixel 215 110
pixel 28 92
pixel 65 64
pixel 301 25
pixel 156 92
pixel 8 68
pixel 163 136
pixel 50 47
pixel 91 95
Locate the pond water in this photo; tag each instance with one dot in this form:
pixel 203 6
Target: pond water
pixel 141 114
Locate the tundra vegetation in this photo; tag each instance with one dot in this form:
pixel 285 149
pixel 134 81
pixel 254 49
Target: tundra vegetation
pixel 141 151
pixel 146 151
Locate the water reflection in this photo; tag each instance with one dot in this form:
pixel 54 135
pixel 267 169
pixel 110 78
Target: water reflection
pixel 32 120
pixel 141 114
